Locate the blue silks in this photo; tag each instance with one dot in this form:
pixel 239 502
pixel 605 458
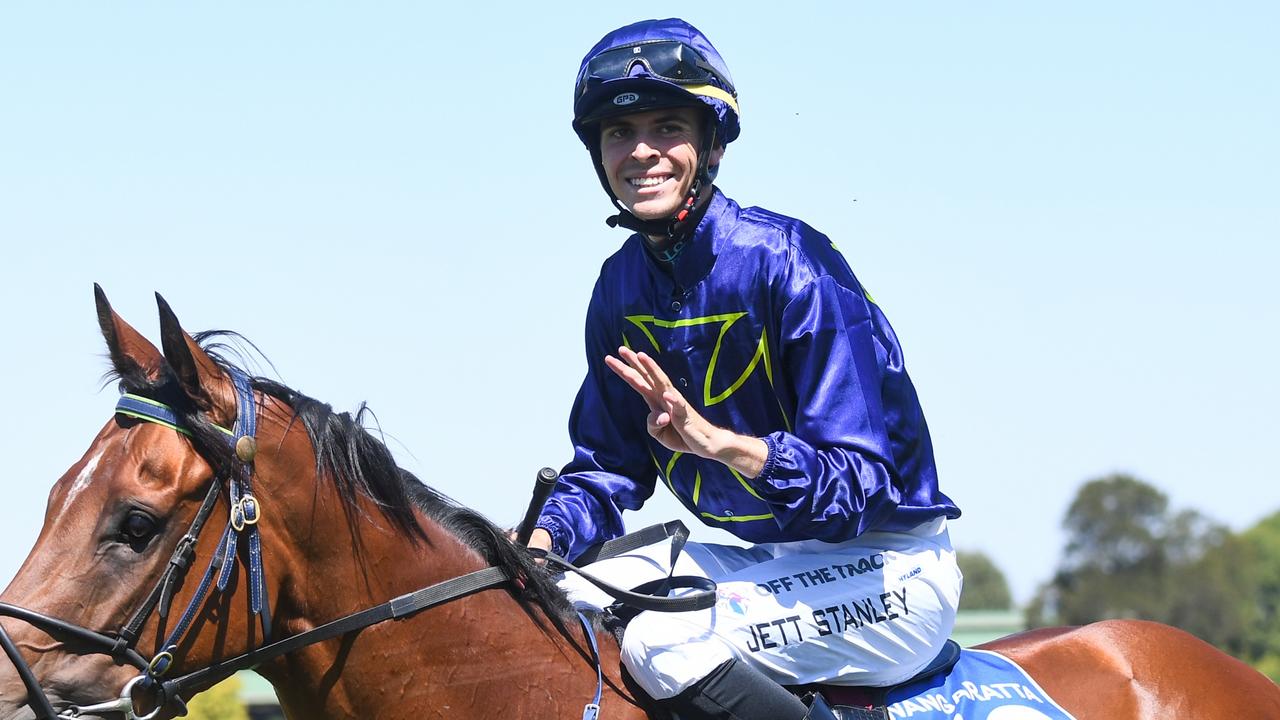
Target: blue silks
pixel 763 327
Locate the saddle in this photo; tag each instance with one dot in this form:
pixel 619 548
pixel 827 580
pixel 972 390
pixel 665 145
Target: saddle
pixel 868 703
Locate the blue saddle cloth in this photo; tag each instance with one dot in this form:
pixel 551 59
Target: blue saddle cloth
pixel 981 686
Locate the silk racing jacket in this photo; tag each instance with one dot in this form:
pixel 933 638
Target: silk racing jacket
pixel 763 327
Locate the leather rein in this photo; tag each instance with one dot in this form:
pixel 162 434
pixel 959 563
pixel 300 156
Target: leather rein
pixel 242 526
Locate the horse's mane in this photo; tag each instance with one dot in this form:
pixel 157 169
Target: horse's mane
pixel 359 464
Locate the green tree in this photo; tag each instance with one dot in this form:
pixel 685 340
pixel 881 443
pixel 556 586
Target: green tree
pixel 1115 524
pixel 220 702
pixel 1215 595
pixel 1129 556
pixel 1263 541
pixel 1114 562
pixel 985 587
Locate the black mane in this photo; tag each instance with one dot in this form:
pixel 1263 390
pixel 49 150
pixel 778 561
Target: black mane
pixel 359 464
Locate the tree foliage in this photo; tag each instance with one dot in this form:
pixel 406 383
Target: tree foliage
pixel 1263 543
pixel 220 702
pixel 1129 555
pixel 985 587
pixel 1115 524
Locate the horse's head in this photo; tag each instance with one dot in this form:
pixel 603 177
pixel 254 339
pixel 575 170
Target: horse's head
pixel 114 583
pixel 148 576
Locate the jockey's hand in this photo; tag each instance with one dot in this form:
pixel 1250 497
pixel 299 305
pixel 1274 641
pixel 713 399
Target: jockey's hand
pixel 680 428
pixel 540 539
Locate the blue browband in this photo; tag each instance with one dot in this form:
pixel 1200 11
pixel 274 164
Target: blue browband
pixel 244 516
pixel 142 408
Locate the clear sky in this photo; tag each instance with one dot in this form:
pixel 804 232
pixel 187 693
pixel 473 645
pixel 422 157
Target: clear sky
pixel 1068 211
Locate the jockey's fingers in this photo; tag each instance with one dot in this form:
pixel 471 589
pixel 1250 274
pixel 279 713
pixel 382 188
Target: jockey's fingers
pixel 635 379
pixel 635 360
pixel 655 371
pixel 679 407
pixel 629 355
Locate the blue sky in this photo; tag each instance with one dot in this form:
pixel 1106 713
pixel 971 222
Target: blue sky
pixel 1068 211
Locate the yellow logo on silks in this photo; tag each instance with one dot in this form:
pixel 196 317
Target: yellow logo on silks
pixel 726 321
pixel 709 395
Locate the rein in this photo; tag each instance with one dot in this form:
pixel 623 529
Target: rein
pixel 242 525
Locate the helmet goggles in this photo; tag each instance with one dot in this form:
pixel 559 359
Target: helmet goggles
pixel 669 60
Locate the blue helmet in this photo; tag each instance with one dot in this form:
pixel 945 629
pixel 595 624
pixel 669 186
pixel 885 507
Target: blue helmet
pixel 653 64
pixel 649 65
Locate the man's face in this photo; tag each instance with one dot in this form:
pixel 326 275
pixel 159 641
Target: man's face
pixel 651 159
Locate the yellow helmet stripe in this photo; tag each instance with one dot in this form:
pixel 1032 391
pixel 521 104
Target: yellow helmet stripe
pixel 712 91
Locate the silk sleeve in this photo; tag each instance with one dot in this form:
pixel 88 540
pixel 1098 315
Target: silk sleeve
pixel 832 476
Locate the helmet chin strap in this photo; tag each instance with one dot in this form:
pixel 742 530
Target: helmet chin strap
pixel 668 236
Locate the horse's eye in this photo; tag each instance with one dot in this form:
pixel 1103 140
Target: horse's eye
pixel 138 526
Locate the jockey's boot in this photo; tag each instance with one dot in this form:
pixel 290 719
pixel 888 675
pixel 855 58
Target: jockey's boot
pixel 736 691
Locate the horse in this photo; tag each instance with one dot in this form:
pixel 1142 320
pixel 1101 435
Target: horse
pixel 321 526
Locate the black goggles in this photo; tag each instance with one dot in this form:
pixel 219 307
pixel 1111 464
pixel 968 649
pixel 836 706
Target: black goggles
pixel 669 60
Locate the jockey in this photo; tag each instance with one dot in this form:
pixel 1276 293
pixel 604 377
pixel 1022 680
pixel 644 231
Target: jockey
pixel 733 357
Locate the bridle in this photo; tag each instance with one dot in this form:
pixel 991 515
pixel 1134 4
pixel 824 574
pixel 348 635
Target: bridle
pixel 242 526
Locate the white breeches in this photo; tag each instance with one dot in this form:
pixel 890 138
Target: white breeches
pixel 870 611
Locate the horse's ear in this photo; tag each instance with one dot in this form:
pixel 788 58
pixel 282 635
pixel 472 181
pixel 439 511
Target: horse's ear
pixel 135 359
pixel 200 377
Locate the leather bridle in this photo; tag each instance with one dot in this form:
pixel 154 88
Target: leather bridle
pixel 242 526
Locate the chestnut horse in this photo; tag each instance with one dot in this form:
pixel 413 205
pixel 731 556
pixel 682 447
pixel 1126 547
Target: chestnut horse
pixel 329 526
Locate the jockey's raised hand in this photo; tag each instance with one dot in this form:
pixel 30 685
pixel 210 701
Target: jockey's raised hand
pixel 679 427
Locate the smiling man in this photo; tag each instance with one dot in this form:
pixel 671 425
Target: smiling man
pixel 733 356
pixel 651 159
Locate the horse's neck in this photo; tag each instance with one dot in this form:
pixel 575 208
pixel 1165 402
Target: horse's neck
pixel 482 654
